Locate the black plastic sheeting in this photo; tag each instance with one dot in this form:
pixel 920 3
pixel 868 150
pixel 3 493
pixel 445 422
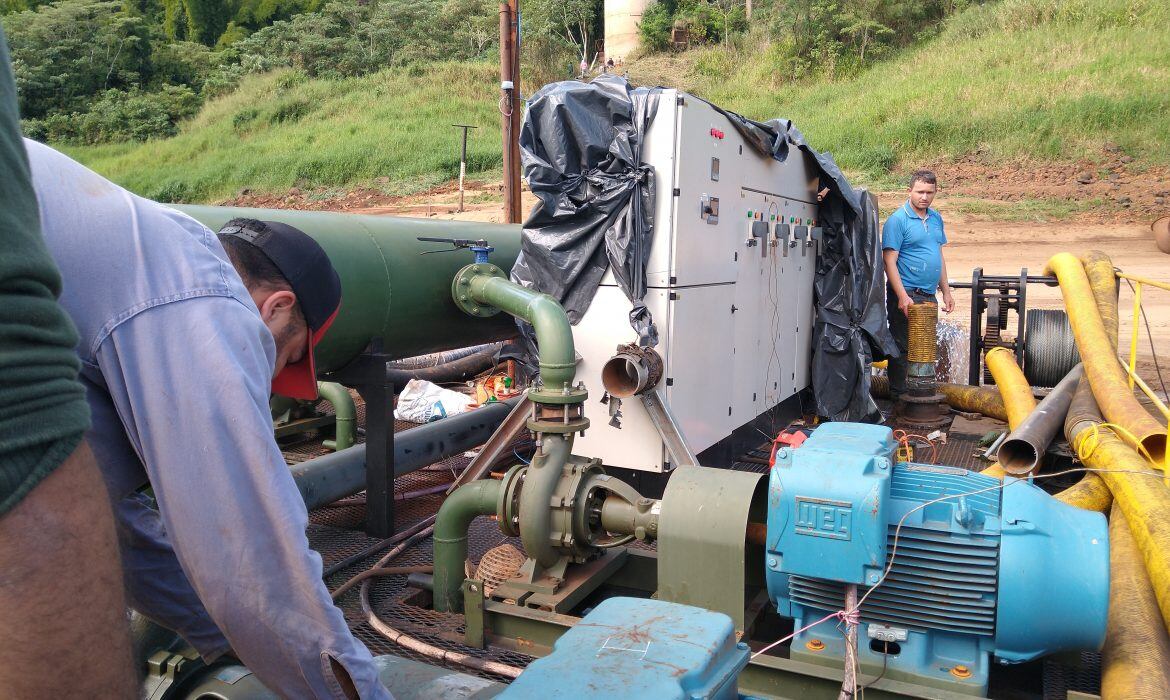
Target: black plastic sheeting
pixel 581 147
pixel 581 150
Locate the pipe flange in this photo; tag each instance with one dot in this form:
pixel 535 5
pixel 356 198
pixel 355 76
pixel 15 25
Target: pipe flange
pixel 565 396
pixel 508 504
pixel 575 425
pixel 461 289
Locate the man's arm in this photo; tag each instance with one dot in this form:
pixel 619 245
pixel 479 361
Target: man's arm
pixel 891 243
pixel 190 380
pixel 61 596
pixel 890 258
pixel 945 284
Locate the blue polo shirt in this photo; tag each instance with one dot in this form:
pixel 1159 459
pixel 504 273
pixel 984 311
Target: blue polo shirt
pixel 919 241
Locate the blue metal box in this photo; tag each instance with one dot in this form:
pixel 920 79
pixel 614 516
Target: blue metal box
pixel 638 648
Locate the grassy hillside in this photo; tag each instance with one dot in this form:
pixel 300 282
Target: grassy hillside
pixel 1014 80
pixel 282 129
pixel 1043 80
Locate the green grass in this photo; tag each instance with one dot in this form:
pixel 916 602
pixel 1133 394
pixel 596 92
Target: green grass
pixel 1014 80
pixel 281 129
pixel 1027 209
pixel 1021 80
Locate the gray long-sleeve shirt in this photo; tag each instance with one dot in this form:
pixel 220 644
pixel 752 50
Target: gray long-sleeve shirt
pixel 177 366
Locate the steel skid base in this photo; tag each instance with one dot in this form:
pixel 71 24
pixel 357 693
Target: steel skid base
pixel 521 627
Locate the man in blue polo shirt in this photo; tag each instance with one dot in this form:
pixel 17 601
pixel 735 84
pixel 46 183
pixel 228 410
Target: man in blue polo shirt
pixel 912 242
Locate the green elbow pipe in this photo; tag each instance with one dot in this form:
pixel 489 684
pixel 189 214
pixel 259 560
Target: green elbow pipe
pixel 554 334
pixel 451 524
pixel 540 483
pixel 345 411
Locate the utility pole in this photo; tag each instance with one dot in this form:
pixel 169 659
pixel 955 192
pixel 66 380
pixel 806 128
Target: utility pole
pixel 510 106
pixel 463 160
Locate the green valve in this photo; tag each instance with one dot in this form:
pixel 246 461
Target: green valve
pixel 750 214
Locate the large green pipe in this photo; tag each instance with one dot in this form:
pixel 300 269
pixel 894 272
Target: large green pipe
pixel 554 334
pixel 461 507
pixel 389 289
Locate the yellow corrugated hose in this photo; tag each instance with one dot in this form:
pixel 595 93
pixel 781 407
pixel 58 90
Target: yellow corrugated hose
pixel 975 399
pixel 1012 385
pixel 971 399
pixel 1016 393
pixel 1090 492
pixel 1106 377
pixel 1136 661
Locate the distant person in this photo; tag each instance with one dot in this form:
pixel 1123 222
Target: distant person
pixel 62 605
pixel 183 335
pixel 912 242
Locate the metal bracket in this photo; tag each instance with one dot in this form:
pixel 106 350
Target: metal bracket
pixel 473 627
pixel 667 427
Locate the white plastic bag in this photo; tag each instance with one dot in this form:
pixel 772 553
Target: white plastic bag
pixel 423 402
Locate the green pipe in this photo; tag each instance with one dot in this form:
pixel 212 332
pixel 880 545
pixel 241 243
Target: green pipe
pixel 346 413
pixel 388 288
pixel 540 482
pixel 554 334
pixel 461 507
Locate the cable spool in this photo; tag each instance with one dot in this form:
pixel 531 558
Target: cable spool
pixel 923 335
pixel 499 564
pixel 1050 350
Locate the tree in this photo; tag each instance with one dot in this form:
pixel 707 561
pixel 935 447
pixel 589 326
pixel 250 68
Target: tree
pixel 572 20
pixel 65 53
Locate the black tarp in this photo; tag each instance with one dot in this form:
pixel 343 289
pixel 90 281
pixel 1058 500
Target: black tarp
pixel 581 149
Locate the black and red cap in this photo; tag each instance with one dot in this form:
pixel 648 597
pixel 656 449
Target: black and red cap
pixel 303 263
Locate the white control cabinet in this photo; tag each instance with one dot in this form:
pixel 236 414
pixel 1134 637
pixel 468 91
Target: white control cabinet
pixel 730 281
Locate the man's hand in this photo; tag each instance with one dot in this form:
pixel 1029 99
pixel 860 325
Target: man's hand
pixel 948 300
pixel 904 303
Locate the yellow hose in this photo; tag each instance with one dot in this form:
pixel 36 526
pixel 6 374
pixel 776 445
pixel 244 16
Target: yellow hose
pixel 1090 492
pixel 1136 661
pixel 1012 385
pixel 971 399
pixel 1139 492
pixel 975 399
pixel 1106 377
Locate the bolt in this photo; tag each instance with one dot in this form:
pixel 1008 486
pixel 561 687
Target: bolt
pixel 883 463
pixel 472 588
pixel 873 577
pixel 772 563
pixel 462 297
pixel 782 453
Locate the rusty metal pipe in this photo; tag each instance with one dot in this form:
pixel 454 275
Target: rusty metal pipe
pixel 1020 454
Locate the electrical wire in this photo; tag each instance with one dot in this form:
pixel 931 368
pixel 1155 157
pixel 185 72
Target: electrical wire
pixel 1149 337
pixel 885 664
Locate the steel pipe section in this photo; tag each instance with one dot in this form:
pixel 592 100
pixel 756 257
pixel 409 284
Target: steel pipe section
pixel 451 524
pixel 343 473
pixel 389 289
pixel 1020 454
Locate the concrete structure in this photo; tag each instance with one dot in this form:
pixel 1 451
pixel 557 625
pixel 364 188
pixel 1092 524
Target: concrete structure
pixel 621 27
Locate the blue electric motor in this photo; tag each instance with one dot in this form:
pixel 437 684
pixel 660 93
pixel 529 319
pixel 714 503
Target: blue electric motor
pixel 1006 572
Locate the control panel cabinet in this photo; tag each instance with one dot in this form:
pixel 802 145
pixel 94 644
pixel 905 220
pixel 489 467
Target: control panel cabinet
pixel 730 278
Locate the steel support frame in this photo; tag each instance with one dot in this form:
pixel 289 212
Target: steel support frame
pixel 367 374
pixel 1011 292
pixel 534 632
